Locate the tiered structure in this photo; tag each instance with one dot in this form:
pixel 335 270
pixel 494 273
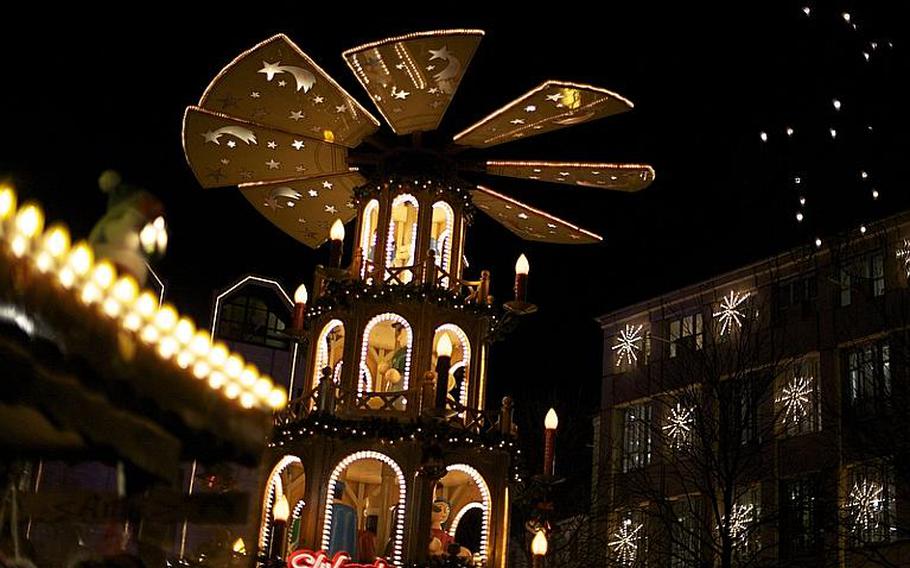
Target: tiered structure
pixel 388 451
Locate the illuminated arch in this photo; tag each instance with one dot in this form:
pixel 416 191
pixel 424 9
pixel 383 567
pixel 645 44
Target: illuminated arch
pixel 391 240
pixel 295 515
pixel 322 351
pixel 369 234
pixel 486 504
pixel 465 362
pixel 472 505
pixel 442 236
pixel 272 488
pixel 398 537
pixel 365 347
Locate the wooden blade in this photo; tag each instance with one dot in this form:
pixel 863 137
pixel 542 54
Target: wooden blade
pixel 227 151
pixel 412 78
pixel 306 209
pixel 620 177
pixel 529 223
pixel 551 106
pixel 276 84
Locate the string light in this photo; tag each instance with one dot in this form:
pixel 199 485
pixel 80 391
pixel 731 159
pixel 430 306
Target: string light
pixel 486 507
pixel 799 216
pixel 729 313
pixel 796 399
pixel 625 542
pixel 865 504
pixel 678 428
pixel 836 104
pixel 627 344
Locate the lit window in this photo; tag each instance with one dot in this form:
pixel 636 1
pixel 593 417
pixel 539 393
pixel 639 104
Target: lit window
pixel 636 437
pixel 255 318
pixel 869 376
pixel 875 271
pixel 369 236
pixel 686 540
pixel 686 333
pixel 799 516
pixel 441 233
pixel 461 360
pixel 402 239
pixel 329 351
pixel 385 358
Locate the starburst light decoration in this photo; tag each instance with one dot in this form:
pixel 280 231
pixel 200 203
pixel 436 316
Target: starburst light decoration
pixel 628 344
pixel 678 428
pixel 625 542
pixel 741 518
pixel 730 314
pixel 865 505
pixel 903 254
pixel 796 399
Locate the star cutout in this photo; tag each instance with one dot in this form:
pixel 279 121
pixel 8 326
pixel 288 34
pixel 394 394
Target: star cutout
pixel 517 121
pixel 273 165
pixel 327 184
pixel 231 144
pixel 271 144
pixel 554 97
pixel 401 94
pixel 211 137
pixel 341 108
pixel 522 216
pixel 440 53
pixel 433 90
pixel 317 100
pixel 246 174
pixel 350 205
pixel 399 66
pixel 330 209
pixel 430 67
pixel 282 83
pixel 300 169
pixel 564 174
pixel 254 95
pixel 530 108
pixel 313 193
pixel 225 161
pixel 298 144
pixel 297 115
pixel 270 69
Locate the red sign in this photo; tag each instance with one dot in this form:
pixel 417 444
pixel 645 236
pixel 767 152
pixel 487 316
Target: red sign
pixel 308 559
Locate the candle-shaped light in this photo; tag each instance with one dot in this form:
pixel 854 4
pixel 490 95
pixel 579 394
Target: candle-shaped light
pixel 521 278
pixel 300 299
pixel 550 422
pixel 336 242
pixel 539 547
pixel 443 364
pixel 280 515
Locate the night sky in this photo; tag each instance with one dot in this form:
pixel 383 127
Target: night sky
pixel 79 98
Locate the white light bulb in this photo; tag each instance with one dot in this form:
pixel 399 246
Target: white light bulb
pixel 874 194
pixel 336 233
pixel 799 216
pixel 522 266
pixel 300 295
pixel 846 17
pixel 802 200
pixel 807 10
pixel 833 132
pixel 551 421
pixel 818 242
pixel 836 104
pixel 862 229
pixel 789 131
pixel 763 135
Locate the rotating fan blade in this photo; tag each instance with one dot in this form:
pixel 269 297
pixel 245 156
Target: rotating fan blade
pixel 222 150
pixel 276 84
pixel 548 107
pixel 527 222
pixel 306 209
pixel 412 78
pixel 620 177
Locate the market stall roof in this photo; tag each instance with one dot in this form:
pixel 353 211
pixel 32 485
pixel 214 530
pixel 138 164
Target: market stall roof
pixel 95 368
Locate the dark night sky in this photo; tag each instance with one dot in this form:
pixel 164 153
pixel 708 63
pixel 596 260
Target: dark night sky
pixel 78 98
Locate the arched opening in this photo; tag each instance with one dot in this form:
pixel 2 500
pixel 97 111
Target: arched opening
pixel 329 351
pixel 459 375
pixel 441 230
pixel 462 489
pixel 385 355
pixel 402 239
pixel 364 512
pixel 369 238
pixel 287 478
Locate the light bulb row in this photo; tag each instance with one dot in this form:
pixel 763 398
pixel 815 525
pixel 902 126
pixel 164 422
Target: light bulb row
pixel 96 283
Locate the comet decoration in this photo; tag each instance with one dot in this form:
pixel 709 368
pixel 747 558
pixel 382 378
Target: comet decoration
pixel 628 345
pixel 729 313
pixel 277 126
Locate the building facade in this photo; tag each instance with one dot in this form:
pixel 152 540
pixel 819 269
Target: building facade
pixel 757 418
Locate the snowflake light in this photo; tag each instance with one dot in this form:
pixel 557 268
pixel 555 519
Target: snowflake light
pixel 795 399
pixel 678 428
pixel 865 505
pixel 730 313
pixel 625 542
pixel 741 518
pixel 903 253
pixel 627 344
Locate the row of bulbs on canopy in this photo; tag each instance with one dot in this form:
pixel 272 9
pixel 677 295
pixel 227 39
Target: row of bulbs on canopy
pixel 95 282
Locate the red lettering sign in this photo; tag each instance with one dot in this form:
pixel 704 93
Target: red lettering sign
pixel 303 558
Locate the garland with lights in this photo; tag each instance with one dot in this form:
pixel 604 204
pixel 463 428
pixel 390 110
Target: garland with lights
pixel 448 185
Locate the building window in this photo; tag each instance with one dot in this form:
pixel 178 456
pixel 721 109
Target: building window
pixel 402 239
pixel 686 333
pixel 799 516
pixel 797 400
pixel 329 351
pixel 685 533
pixel 874 271
pixel 257 319
pixel 742 395
pixel 869 508
pixel 369 238
pixel 636 437
pixel 442 231
pixel 796 292
pixel 385 356
pixel 869 376
pixel 870 270
pixel 846 288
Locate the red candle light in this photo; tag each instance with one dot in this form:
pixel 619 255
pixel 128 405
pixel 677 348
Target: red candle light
pixel 551 422
pixel 300 299
pixel 521 278
pixel 336 240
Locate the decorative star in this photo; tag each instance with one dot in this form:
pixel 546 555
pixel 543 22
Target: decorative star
pixel 350 205
pixel 327 184
pixel 341 108
pixel 246 174
pixel 300 169
pixel 225 161
pixel 865 504
pixel 254 95
pixel 433 90
pixel 399 66
pixel 318 100
pixel 555 97
pixel 442 53
pixel 530 108
pixel 273 165
pixel 231 144
pixel 565 174
pixel 430 67
pixel 297 115
pixel 627 342
pixel 400 94
pixel 625 542
pixel 522 215
pixel 678 428
pixel 211 136
pixel 270 69
pixel 330 209
pixel 313 193
pixel 272 144
pixel 796 399
pixel 517 121
pixel 298 144
pixel 730 313
pixel 282 83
